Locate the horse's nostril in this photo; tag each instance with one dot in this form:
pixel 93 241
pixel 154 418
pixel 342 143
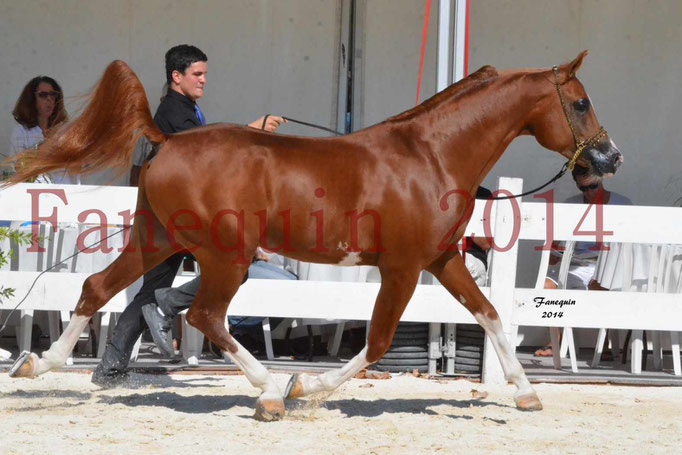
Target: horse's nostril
pixel 617 160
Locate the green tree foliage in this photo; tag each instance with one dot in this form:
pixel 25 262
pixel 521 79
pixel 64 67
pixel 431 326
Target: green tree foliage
pixel 19 238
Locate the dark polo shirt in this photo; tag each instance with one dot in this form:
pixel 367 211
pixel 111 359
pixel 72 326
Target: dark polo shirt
pixel 176 113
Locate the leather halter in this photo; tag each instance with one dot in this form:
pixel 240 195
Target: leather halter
pixel 579 145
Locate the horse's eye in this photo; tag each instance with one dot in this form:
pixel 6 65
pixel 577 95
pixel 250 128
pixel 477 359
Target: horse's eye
pixel 582 106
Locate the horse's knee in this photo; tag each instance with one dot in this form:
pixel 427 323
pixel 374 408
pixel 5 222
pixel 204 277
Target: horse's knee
pixel 377 347
pixel 94 296
pixel 194 318
pixel 211 326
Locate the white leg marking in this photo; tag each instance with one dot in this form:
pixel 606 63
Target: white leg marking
pixel 255 372
pixel 334 378
pixel 56 356
pixel 511 366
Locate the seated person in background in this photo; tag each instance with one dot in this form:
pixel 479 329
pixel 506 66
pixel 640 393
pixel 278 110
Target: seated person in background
pixel 584 258
pixel 39 108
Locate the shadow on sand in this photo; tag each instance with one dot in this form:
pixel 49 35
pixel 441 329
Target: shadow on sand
pixel 195 404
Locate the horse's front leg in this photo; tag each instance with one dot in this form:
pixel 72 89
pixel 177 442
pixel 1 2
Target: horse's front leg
pixel 93 297
pixel 29 365
pixel 454 276
pixel 207 313
pixel 97 290
pixel 396 289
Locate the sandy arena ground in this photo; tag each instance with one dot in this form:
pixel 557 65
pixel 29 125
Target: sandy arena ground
pixel 63 413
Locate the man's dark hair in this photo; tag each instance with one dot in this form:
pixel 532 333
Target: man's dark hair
pixel 179 58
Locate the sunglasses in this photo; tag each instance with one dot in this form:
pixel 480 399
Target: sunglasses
pixel 45 95
pixel 584 188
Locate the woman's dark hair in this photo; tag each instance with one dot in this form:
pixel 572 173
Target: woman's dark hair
pixel 25 111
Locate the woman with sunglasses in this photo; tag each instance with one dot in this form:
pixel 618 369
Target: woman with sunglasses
pixel 40 107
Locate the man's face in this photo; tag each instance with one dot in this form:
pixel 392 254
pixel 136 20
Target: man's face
pixel 590 186
pixel 191 84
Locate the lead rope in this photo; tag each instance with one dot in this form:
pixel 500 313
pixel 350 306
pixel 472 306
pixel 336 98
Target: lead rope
pixel 311 125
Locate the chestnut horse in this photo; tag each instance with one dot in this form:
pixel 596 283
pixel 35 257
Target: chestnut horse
pixel 222 190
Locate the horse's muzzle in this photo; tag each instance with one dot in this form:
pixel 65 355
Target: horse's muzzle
pixel 605 158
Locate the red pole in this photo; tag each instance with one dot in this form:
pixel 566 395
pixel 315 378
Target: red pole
pixel 425 30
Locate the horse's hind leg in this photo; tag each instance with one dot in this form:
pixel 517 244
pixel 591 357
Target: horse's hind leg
pixel 207 313
pixel 454 276
pixel 97 290
pixel 397 286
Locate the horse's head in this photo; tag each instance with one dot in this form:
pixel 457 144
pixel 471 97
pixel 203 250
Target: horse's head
pixel 564 121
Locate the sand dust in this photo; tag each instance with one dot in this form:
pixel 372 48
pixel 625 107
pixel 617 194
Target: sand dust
pixel 63 413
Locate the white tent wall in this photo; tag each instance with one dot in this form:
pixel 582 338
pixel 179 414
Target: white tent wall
pixel 264 56
pixel 389 34
pixel 632 74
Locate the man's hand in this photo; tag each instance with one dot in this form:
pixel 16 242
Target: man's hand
pixel 271 124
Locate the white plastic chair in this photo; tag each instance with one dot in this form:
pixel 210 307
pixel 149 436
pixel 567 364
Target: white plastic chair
pixel 664 276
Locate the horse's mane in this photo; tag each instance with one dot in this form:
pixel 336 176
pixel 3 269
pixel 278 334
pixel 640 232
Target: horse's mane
pixel 467 85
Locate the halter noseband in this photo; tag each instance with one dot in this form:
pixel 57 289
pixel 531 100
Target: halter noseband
pixel 579 145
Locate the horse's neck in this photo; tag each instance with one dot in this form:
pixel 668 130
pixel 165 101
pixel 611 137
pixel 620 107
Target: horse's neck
pixel 471 132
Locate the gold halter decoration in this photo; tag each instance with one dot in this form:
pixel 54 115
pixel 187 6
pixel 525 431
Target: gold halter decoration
pixel 580 145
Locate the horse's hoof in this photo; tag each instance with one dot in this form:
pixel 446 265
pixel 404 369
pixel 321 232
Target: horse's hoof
pixel 24 366
pixel 528 402
pixel 294 387
pixel 269 410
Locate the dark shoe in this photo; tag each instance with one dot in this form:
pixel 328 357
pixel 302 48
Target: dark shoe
pixel 110 379
pixel 159 327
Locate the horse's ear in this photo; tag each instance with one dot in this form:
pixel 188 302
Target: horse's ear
pixel 568 70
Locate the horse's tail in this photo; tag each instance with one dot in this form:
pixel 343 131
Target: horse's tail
pixel 102 137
